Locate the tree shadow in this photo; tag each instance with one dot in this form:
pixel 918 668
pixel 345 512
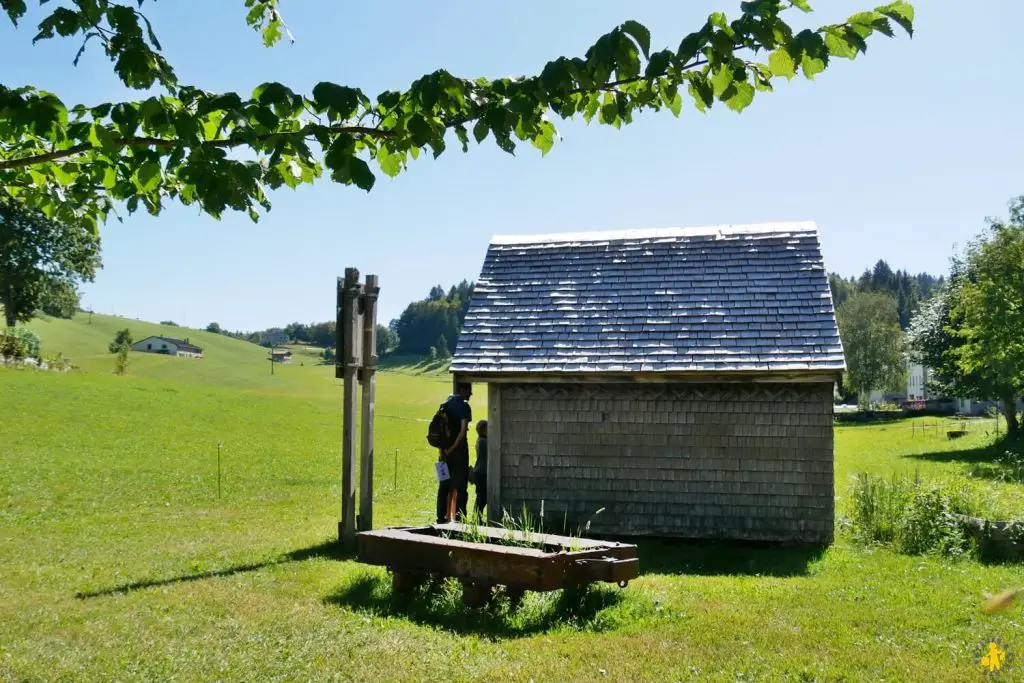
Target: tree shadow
pixel 726 558
pixel 1002 460
pixel 327 549
pixel 585 609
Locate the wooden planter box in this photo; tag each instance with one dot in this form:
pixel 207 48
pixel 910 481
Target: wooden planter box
pixel 485 557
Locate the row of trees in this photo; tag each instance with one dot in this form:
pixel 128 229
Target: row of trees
pixel 908 291
pixel 429 327
pixel 970 333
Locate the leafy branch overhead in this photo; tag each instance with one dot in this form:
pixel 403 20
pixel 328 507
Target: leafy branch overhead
pixel 78 162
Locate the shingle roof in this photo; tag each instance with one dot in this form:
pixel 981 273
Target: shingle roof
pixel 719 299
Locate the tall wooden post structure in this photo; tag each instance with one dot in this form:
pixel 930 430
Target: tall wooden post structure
pixel 356 362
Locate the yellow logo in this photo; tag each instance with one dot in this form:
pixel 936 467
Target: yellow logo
pixel 993 657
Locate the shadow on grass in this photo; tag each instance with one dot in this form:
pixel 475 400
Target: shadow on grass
pixel 586 609
pixel 722 558
pixel 1002 460
pixel 328 549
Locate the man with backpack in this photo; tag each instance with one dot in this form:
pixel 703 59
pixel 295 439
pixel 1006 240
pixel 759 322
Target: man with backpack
pixel 448 433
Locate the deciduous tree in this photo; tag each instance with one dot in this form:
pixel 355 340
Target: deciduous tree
pixel 225 150
pixel 972 335
pixel 869 327
pixel 40 256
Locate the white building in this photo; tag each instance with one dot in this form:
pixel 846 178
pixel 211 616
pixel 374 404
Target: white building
pixel 918 377
pixel 275 338
pixel 168 346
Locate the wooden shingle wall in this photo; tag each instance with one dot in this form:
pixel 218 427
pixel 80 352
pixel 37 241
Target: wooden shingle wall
pixel 725 461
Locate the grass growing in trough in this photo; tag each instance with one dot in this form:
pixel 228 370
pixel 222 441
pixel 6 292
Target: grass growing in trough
pixel 119 561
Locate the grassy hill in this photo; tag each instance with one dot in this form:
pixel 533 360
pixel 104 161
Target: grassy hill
pixel 228 362
pixel 119 559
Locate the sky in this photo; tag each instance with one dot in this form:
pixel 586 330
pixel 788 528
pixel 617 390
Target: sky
pixel 900 155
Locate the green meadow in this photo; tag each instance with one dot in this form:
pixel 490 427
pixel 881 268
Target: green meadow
pixel 121 561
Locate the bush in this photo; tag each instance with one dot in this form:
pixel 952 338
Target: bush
pixel 123 338
pixel 19 343
pixel 915 517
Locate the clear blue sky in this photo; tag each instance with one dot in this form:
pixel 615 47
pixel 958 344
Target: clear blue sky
pixel 899 155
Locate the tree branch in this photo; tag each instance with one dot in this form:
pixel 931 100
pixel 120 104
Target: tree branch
pixel 161 142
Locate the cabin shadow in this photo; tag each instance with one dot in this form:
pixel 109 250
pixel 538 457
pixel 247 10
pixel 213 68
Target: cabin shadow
pixel 725 558
pixel 440 606
pixel 328 549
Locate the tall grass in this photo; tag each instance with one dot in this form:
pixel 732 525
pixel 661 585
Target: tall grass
pixel 912 515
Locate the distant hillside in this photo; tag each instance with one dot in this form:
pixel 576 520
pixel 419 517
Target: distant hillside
pixel 228 361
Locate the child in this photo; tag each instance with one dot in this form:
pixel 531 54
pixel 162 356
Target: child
pixel 480 469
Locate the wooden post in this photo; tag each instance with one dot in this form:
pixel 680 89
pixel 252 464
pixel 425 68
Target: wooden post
pixel 346 332
pixel 368 378
pixel 494 511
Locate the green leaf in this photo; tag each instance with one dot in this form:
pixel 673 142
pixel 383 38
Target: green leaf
pixel 272 93
pixel 722 79
pixel 702 91
pixel 355 171
pixel 782 63
pixel 658 64
pixel 102 137
pixel 873 20
pixel 15 10
pixel 742 97
pixel 391 164
pixel 675 104
pixel 480 131
pixel 803 5
pixel 812 66
pixel 267 118
pixel 545 139
pixel 640 34
pixel 463 136
pixel 109 178
pixel 609 112
pixel 844 44
pixel 148 176
pixel 126 116
pixel 339 99
pixel 902 13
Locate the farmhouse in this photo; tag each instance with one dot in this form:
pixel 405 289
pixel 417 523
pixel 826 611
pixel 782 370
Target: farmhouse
pixel 679 380
pixel 168 346
pixel 280 355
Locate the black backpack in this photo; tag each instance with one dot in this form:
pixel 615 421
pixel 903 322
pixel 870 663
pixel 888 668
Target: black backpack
pixel 439 433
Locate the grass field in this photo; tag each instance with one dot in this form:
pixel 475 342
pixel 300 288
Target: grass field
pixel 119 560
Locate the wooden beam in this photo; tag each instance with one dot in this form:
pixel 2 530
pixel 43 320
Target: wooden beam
pixel 347 332
pixel 369 381
pixel 493 453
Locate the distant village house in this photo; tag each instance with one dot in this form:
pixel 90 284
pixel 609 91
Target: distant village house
pixel 168 346
pixel 274 338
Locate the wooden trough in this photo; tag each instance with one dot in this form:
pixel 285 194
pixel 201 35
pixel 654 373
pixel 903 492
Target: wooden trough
pixel 482 558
